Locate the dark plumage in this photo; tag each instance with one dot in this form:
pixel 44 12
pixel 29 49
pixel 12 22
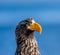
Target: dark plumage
pixel 26 43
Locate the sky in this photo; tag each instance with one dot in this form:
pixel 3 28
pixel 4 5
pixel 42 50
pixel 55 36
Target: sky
pixel 46 13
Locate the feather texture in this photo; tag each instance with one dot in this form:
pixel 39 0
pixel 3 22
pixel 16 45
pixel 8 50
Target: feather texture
pixel 26 42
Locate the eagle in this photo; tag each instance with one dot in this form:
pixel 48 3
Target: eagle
pixel 26 42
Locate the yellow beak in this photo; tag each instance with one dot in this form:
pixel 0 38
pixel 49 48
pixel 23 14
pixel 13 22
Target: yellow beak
pixel 36 27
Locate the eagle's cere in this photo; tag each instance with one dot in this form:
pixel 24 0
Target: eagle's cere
pixel 26 43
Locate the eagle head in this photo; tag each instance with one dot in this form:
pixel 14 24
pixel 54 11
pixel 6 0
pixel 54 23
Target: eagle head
pixel 28 26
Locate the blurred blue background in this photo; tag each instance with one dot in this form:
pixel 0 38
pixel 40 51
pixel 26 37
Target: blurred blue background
pixel 45 12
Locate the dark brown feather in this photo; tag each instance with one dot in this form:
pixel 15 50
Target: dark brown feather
pixel 26 43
